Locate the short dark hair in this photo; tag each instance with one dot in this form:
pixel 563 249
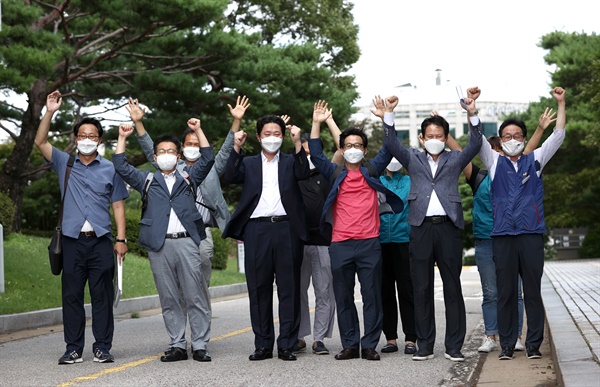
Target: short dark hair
pixel 353 131
pixel 167 138
pixel 88 120
pixel 186 133
pixel 435 120
pixel 262 121
pixel 513 121
pixel 304 138
pixel 495 142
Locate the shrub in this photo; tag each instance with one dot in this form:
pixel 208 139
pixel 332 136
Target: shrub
pixel 132 224
pixel 222 249
pixel 7 213
pixel 590 248
pixel 469 260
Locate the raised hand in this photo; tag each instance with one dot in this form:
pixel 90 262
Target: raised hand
pixel 294 133
pixel 53 101
pixel 469 105
pixel 473 92
pixel 320 112
pixel 125 130
pixel 239 139
pixel 285 118
pixel 379 109
pixel 559 94
pixel 194 124
pixel 135 111
pixel 391 103
pixel 547 118
pixel 239 110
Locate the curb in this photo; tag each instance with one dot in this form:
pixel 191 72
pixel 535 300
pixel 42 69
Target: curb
pixel 574 362
pixel 40 318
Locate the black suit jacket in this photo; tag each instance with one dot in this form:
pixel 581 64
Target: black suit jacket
pixel 248 170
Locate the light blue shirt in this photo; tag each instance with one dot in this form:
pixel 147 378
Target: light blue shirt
pixel 90 190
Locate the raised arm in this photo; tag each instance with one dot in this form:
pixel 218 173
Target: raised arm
pixel 132 176
pixel 545 119
pixel 385 111
pixel 237 112
pixel 137 115
pixel 53 102
pixel 475 136
pixel 552 143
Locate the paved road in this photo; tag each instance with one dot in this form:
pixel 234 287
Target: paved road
pixel 139 342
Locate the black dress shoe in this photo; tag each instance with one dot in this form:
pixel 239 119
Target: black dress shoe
pixel 370 354
pixel 347 353
pixel 261 354
pixel 389 347
pixel 286 354
pixel 201 355
pixel 175 354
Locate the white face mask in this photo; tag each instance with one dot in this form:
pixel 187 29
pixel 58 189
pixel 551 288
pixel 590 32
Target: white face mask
pixel 191 153
pixel 513 147
pixel 310 163
pixel 353 155
pixel 434 147
pixel 271 144
pixel 166 162
pixel 87 147
pixel 394 165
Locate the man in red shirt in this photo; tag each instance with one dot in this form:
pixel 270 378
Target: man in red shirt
pixel 352 209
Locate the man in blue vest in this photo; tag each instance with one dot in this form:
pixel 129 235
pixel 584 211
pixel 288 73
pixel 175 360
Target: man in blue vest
pixel 517 193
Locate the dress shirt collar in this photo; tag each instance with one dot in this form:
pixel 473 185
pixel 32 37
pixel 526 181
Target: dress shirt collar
pixel 264 158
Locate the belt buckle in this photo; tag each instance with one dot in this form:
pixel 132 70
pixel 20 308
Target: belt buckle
pixel 175 235
pixel 274 219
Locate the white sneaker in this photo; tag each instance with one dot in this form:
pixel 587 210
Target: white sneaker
pixel 519 346
pixel 488 345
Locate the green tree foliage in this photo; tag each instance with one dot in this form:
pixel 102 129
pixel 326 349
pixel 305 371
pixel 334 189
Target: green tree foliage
pixel 180 58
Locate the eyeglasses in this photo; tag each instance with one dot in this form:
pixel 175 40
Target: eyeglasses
pixel 82 137
pixel 169 151
pixel 356 145
pixel 508 137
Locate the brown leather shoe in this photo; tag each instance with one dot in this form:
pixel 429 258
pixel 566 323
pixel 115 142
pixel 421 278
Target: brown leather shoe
pixel 347 353
pixel 370 354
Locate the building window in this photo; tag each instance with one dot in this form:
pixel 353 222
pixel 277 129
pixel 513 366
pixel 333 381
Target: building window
pixel 423 113
pixel 402 135
pixel 403 114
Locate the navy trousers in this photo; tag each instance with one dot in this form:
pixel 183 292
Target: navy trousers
pixel 88 259
pixel 348 259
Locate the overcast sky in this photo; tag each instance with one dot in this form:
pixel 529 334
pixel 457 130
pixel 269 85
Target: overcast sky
pixel 489 44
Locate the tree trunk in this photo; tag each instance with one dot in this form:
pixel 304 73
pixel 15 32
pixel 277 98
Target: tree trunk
pixel 13 180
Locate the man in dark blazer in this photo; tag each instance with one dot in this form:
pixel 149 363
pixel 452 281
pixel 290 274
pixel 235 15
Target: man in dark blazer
pixel 270 218
pixel 171 229
pixel 436 220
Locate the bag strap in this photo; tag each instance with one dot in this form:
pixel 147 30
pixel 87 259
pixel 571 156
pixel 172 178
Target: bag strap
pixel 62 202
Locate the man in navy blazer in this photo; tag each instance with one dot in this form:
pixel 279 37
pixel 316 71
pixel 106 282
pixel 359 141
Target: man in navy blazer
pixel 171 229
pixel 270 219
pixel 436 220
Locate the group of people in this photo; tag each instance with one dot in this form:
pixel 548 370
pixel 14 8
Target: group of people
pixel 304 218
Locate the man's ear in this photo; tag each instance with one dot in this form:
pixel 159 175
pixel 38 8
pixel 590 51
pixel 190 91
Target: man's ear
pixel 258 137
pixel 154 158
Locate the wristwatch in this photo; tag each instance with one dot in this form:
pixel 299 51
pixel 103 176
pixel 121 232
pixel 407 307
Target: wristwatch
pixel 473 114
pixel 121 240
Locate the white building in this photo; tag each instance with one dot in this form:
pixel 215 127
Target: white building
pixel 416 104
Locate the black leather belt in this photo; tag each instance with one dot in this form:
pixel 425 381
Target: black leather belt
pixel 88 233
pixel 272 219
pixel 437 219
pixel 175 235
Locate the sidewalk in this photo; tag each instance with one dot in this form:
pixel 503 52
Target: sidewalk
pixel 571 293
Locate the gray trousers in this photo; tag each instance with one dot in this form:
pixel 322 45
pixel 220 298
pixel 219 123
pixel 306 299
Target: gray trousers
pixel 207 247
pixel 317 264
pixel 177 271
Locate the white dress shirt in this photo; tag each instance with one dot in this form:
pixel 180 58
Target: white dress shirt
pixel 174 222
pixel 270 198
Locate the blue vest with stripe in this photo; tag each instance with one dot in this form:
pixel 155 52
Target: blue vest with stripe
pixel 517 197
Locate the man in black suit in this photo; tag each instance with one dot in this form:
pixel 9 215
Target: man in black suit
pixel 270 219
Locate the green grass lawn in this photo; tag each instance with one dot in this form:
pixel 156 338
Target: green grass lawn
pixel 29 285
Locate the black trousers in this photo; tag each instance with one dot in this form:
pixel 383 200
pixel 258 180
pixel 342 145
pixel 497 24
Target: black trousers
pixel 273 251
pixel 439 243
pixel 88 259
pixel 396 278
pixel 522 255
